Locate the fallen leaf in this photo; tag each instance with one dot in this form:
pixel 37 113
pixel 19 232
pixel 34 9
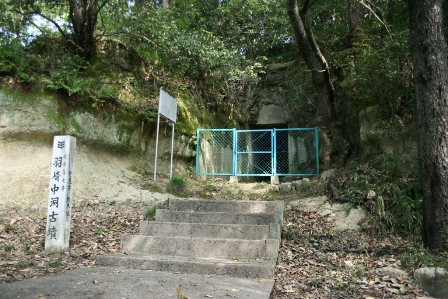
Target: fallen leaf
pixel 395 291
pixel 14 220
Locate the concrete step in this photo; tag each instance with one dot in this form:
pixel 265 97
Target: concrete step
pixel 165 215
pixel 206 230
pixel 229 206
pixel 203 266
pixel 230 238
pixel 201 247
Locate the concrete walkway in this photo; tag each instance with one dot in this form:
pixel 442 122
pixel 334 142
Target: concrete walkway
pixel 119 283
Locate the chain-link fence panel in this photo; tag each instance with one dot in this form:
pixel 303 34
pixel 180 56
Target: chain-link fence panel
pixel 214 152
pixel 277 152
pixel 296 152
pixel 254 152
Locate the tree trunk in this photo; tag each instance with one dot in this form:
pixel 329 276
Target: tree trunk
pixel 320 71
pixel 83 15
pixel 429 53
pixel 354 23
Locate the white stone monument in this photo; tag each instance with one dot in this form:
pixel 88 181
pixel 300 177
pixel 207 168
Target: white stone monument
pixel 57 233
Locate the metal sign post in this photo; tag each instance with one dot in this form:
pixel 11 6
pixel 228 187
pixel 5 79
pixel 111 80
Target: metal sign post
pixel 167 108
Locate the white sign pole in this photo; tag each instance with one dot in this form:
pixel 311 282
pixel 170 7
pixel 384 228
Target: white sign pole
pixel 57 233
pixel 172 151
pixel 157 147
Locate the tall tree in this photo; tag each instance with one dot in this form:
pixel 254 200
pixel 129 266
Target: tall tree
pixel 83 16
pixel 320 72
pixel 82 22
pixel 429 53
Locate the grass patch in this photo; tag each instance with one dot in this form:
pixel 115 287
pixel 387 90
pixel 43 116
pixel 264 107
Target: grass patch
pixel 55 264
pixel 177 185
pixel 150 213
pixel 8 248
pixel 151 187
pixel 397 199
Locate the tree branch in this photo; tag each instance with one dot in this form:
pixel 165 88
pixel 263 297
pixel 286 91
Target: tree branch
pixel 307 5
pixel 32 13
pixel 369 5
pixel 336 195
pixel 102 5
pixel 131 34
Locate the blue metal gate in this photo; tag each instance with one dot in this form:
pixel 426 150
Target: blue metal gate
pixel 274 152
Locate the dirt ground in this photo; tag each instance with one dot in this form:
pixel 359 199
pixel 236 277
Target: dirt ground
pixel 25 176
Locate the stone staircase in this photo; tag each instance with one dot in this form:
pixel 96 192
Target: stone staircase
pixel 230 238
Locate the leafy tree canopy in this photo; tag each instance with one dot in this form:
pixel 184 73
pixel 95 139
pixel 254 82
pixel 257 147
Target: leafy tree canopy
pixel 216 47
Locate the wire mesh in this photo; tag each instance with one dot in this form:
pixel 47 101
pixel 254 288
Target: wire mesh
pixel 214 154
pixel 254 152
pixel 282 152
pixel 296 152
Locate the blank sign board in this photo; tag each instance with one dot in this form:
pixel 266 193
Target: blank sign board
pixel 167 106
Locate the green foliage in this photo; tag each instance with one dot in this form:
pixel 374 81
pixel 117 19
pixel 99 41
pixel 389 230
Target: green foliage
pixel 8 248
pixel 151 187
pixel 177 185
pixel 7 228
pixel 398 201
pixel 418 256
pixel 211 55
pixel 16 62
pixel 56 263
pixel 66 75
pixel 150 213
pixel 384 64
pixel 98 231
pixel 180 293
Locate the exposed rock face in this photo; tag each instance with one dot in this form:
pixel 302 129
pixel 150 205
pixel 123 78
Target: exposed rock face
pixel 302 184
pixel 285 187
pixel 328 174
pixel 433 280
pixel 99 174
pixel 391 272
pixel 39 117
pixel 21 117
pixel 429 272
pixel 346 217
pixel 277 102
pixel 107 149
pixel 392 139
pixel 353 220
pixel 271 114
